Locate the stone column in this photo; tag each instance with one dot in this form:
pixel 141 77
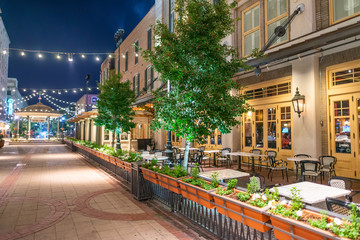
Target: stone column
pixel 28 128
pixel 90 128
pixel 48 128
pixel 17 129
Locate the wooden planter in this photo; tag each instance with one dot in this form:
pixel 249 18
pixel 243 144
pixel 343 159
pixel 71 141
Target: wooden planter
pixel 169 183
pixel 2 143
pixel 299 228
pixel 127 166
pixel 197 194
pixel 246 209
pixel 150 175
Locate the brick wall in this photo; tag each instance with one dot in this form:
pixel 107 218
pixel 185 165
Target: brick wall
pixel 322 14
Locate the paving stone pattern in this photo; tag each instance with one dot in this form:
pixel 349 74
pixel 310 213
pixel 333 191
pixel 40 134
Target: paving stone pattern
pixel 48 192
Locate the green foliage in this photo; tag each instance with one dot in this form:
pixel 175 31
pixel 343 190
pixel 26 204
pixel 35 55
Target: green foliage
pixel 322 223
pixel 294 211
pixel 243 196
pixel 253 186
pixel 229 189
pixel 115 105
pixel 214 179
pixel 296 199
pixel 195 171
pixel 199 66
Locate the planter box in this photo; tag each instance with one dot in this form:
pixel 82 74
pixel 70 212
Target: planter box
pixel 169 183
pixel 127 166
pixel 2 143
pixel 246 209
pixel 150 175
pixel 197 194
pixel 299 228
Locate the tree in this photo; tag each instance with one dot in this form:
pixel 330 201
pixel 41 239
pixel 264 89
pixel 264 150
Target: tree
pixel 115 106
pixel 199 67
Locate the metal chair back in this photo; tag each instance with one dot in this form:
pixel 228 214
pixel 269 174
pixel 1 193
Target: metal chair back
pixel 338 206
pixel 302 155
pixel 339 182
pixel 256 151
pixel 327 161
pixel 310 166
pixel 224 151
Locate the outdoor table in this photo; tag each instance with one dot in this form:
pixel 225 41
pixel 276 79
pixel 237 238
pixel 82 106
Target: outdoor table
pixel 299 159
pixel 149 157
pixel 190 149
pixel 214 152
pixel 224 174
pixel 312 193
pixel 246 154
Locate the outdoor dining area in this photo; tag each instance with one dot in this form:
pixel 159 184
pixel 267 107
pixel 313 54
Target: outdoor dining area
pixel 315 177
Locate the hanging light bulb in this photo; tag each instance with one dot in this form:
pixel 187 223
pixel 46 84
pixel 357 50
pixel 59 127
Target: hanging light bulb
pixel 97 59
pixel 53 91
pixel 110 56
pixel 4 52
pixel 58 56
pixel 66 90
pixel 40 55
pixel 82 55
pixel 81 89
pixel 74 91
pixel 123 56
pixel 89 89
pixel 24 90
pixel 70 57
pixel 59 92
pixel 22 53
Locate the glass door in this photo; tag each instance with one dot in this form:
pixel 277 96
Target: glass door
pixel 343 134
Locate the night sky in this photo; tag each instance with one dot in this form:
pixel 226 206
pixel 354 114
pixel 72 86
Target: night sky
pixel 66 26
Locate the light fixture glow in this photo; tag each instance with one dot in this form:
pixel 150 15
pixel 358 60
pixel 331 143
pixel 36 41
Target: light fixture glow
pixel 40 55
pixel 58 56
pixel 110 56
pixel 82 55
pixel 22 53
pixel 70 58
pixel 4 52
pixel 97 59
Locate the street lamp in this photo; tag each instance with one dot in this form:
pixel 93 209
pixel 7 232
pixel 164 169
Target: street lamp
pixel 298 102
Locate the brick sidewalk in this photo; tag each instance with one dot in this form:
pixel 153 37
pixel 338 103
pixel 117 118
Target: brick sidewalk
pixel 47 192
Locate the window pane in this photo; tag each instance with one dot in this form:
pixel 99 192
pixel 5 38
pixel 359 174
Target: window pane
pixel 345 8
pixel 251 18
pixel 271 134
pixel 248 130
pixel 251 41
pixel 271 29
pixel 219 142
pixel 259 134
pixel 275 8
pixel 285 135
pixel 342 135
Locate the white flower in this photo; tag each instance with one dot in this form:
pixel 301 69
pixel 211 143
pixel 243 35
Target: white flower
pixel 255 196
pixel 283 202
pixel 270 203
pixel 299 213
pixel 264 197
pixel 290 202
pixel 329 225
pixel 337 221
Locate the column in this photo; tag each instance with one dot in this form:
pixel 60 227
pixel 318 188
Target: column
pixel 307 128
pixel 90 128
pixel 28 128
pixel 58 128
pixel 48 128
pixel 17 129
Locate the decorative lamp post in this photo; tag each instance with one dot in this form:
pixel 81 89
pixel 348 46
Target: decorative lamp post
pixel 298 102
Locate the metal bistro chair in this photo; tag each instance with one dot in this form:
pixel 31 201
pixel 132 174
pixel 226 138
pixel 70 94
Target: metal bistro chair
pixel 258 152
pixel 297 164
pixel 206 156
pixel 198 158
pixel 224 157
pixel 327 165
pixel 311 169
pixel 260 179
pixel 339 206
pixel 276 165
pixel 343 183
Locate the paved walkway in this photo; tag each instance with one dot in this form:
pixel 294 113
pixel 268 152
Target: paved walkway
pixel 47 192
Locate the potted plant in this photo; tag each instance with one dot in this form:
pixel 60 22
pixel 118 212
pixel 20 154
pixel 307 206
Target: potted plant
pixel 252 204
pixel 197 189
pixel 2 141
pixel 291 217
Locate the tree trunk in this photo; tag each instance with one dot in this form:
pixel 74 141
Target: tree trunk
pixel 113 139
pixel 118 142
pixel 186 154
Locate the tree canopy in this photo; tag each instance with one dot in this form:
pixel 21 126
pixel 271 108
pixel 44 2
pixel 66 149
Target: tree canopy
pixel 115 105
pixel 200 66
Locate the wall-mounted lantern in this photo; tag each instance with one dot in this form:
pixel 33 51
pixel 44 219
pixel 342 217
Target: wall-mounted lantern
pixel 298 102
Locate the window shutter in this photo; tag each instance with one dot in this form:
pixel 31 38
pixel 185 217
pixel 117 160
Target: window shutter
pixel 146 79
pixel 151 79
pixel 149 39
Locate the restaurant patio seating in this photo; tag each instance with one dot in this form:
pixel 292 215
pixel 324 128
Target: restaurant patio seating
pixel 327 165
pixel 206 157
pixel 224 157
pixel 276 165
pixel 338 206
pixel 311 169
pixel 197 160
pixel 259 159
pixel 343 183
pixel 297 164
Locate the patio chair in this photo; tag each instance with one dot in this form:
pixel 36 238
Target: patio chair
pixel 206 156
pixel 338 206
pixel 276 165
pixel 327 165
pixel 297 164
pixel 224 158
pixel 256 151
pixel 343 183
pixel 198 159
pixel 261 182
pixel 311 169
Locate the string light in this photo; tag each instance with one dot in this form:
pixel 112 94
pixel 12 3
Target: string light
pixel 97 59
pixel 82 56
pixel 40 55
pixel 22 53
pixel 4 52
pixel 58 56
pixel 110 56
pixel 70 57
